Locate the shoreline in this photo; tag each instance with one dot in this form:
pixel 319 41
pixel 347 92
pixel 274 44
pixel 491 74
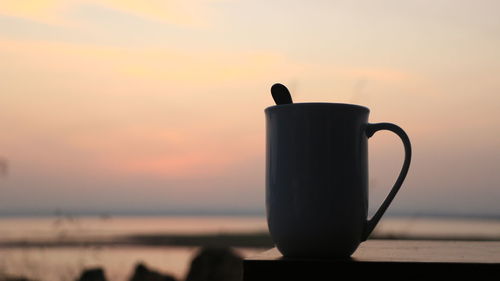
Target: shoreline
pixel 243 240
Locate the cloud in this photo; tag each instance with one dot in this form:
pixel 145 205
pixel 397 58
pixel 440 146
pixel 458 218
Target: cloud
pixel 157 64
pixel 46 11
pixel 178 12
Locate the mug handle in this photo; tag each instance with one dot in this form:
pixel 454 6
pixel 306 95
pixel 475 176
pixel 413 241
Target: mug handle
pixel 370 130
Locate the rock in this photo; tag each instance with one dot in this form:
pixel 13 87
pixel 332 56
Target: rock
pixel 142 273
pixel 216 264
pixel 92 274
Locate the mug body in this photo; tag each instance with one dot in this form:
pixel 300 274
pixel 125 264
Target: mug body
pixel 316 178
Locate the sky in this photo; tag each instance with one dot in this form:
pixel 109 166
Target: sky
pixel 157 106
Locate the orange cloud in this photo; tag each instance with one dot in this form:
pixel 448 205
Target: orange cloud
pixel 151 63
pixel 179 12
pixel 47 11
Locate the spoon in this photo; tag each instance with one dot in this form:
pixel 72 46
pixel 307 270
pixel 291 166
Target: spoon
pixel 281 95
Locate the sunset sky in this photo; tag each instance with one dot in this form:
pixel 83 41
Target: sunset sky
pixel 136 106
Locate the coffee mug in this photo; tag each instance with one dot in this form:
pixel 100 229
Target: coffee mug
pixel 317 177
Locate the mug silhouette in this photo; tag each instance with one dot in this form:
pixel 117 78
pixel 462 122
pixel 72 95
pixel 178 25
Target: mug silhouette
pixel 317 177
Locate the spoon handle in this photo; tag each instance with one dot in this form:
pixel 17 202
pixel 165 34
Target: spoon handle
pixel 280 94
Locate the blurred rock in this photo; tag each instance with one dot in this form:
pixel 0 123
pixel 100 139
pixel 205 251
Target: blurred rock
pixel 142 273
pixel 216 264
pixel 92 274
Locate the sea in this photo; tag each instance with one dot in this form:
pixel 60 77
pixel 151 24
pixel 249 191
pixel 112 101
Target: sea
pixel 67 262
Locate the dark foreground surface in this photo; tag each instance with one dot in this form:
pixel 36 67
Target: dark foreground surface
pixel 209 264
pixel 386 260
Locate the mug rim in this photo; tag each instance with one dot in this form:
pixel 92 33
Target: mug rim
pixel 322 104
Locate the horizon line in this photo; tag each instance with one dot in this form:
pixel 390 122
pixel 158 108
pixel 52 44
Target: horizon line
pixel 214 212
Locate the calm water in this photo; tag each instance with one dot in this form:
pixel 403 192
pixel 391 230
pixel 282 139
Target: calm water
pixel 66 263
